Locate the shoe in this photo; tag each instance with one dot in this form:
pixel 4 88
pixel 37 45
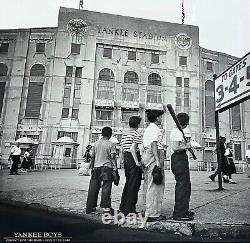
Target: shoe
pixel 232 182
pixel 184 218
pixel 90 210
pixel 211 177
pixel 154 219
pixel 111 211
pixel 190 213
pixel 11 174
pixel 16 174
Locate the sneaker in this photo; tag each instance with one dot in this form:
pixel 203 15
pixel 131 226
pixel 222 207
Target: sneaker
pixel 211 177
pixel 232 182
pixel 111 211
pixel 184 218
pixel 190 213
pixel 90 210
pixel 154 219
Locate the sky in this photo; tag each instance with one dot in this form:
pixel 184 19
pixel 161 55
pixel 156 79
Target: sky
pixel 223 24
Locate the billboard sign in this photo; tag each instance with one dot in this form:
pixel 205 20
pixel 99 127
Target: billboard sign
pixel 233 85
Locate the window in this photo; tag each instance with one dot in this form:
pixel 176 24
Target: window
pixel 183 61
pixel 154 97
pixel 35 91
pixel 34 99
pixel 95 137
pixel 65 112
pixel 186 82
pixel 78 73
pixel 40 47
pixel 103 115
pixel 4 47
pixel 37 70
pixel 130 94
pixel 154 79
pixel 132 55
pixel 127 114
pixel 178 82
pixel 154 58
pixel 209 66
pixel 69 71
pixel 67 152
pixel 186 99
pixel 178 99
pixel 106 75
pixel 131 77
pixel 3 69
pixel 107 52
pixel 209 104
pixel 75 48
pixel 75 113
pixel 2 89
pixel 72 135
pixel 236 119
pixel 105 93
pixel 237 151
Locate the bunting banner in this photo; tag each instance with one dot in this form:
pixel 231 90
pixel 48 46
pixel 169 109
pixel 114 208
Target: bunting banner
pixel 80 4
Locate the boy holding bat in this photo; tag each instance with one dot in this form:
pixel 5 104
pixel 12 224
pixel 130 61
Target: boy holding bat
pixel 180 169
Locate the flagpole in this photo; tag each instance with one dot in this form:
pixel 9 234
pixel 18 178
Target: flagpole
pixel 182 13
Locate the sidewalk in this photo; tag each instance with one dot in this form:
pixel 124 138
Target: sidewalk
pixel 218 214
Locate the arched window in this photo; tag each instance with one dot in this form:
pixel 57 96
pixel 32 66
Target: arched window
pixel 37 70
pixel 105 85
pixel 106 75
pixel 154 79
pixel 35 91
pixel 209 104
pixel 131 77
pixel 3 69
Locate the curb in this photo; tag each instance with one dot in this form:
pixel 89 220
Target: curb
pixel 187 229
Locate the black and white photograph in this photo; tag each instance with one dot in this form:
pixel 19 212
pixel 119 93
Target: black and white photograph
pixel 124 121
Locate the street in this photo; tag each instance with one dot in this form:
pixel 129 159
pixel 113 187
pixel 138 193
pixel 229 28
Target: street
pixel 15 221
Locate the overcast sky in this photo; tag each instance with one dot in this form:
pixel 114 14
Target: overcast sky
pixel 223 24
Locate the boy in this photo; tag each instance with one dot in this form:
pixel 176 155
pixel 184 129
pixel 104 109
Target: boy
pixel 103 163
pixel 180 169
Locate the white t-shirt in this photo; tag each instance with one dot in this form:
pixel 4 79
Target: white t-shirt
pixel 248 153
pixel 16 151
pixel 177 136
pixel 152 134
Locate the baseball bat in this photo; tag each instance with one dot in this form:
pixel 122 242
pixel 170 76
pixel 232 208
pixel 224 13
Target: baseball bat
pixel 172 113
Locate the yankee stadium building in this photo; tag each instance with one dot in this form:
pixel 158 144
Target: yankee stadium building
pixel 60 85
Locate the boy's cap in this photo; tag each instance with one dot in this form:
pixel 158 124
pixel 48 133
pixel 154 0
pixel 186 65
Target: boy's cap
pixel 134 121
pixel 154 113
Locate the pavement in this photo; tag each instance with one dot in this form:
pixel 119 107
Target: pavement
pixel 219 215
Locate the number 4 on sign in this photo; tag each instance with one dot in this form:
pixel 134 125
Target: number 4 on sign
pixel 234 86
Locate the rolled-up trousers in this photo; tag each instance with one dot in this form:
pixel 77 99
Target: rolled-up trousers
pixel 133 174
pixel 180 169
pixel 14 167
pixel 152 193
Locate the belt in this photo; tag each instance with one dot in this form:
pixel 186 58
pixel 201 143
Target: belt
pixel 180 151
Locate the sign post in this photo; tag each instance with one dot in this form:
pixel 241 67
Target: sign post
pixel 231 88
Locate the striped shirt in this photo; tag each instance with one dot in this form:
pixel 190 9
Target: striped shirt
pixel 129 138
